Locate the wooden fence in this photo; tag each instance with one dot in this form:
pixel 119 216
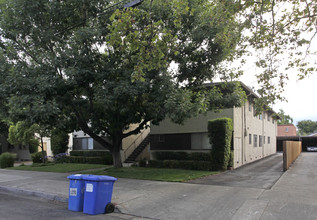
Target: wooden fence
pixel 291 150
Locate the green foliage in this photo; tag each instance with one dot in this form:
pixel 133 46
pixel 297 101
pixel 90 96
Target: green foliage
pixel 231 159
pixel 142 162
pixel 156 163
pixel 284 119
pixel 90 153
pixel 61 51
pixel 170 155
pixel 220 134
pixel 6 160
pixel 306 127
pixel 88 160
pixel 22 134
pixel 59 141
pixel 182 164
pixel 38 157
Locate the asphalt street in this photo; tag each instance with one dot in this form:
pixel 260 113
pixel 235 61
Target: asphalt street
pixel 292 196
pixel 19 207
pixel 261 174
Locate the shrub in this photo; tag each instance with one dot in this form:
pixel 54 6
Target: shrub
pixel 61 158
pixel 198 156
pixel 142 162
pixel 90 160
pixel 6 160
pixel 181 164
pixel 37 157
pixel 59 141
pixel 231 159
pixel 91 153
pixel 156 163
pixel 220 134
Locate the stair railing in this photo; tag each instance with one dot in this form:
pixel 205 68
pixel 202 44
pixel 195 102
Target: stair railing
pixel 129 150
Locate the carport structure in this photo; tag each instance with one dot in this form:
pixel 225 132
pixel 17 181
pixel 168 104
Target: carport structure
pixel 307 141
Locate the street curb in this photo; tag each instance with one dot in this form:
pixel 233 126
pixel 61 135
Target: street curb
pixel 34 193
pixel 118 208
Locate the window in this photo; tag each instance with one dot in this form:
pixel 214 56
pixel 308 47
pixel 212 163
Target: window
pixel 260 117
pixel 286 129
pixel 273 121
pixel 250 138
pixel 268 140
pixel 255 140
pixel 200 141
pixel 263 140
pixel 260 141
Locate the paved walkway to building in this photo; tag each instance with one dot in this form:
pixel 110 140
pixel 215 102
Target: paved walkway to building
pixel 261 174
pixel 293 196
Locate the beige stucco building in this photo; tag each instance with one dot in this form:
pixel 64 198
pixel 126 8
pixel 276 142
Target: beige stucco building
pixel 254 136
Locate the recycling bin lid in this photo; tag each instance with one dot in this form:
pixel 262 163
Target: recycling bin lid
pixel 76 177
pixel 100 178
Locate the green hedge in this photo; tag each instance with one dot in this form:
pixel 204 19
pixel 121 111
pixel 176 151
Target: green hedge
pixel 90 153
pixel 181 164
pixel 196 156
pixel 6 160
pixel 37 157
pixel 220 134
pixel 89 160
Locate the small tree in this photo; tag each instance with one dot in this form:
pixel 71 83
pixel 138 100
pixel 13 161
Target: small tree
pixel 220 134
pixel 59 141
pixel 21 134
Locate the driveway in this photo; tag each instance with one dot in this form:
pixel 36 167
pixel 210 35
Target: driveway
pixel 261 174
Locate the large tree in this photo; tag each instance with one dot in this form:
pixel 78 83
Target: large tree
pixel 306 127
pixel 110 69
pixel 283 118
pixel 106 69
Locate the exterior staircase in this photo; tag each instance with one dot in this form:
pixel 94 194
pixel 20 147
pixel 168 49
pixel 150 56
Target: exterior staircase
pixel 138 150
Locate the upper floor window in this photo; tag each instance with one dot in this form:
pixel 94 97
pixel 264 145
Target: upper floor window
pixel 268 140
pixel 255 140
pixel 250 139
pixel 260 140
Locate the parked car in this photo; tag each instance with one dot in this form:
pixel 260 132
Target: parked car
pixel 311 148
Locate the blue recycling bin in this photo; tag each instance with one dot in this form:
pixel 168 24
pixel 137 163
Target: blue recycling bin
pixel 76 192
pixel 98 193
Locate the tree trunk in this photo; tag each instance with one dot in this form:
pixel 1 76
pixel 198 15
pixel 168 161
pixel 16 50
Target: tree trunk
pixel 116 155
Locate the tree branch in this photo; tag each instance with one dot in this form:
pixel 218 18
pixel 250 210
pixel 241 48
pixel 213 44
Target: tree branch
pixel 137 130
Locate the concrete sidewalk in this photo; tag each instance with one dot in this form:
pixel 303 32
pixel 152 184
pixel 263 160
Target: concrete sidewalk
pixel 294 195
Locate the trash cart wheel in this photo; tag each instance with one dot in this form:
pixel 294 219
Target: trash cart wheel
pixel 110 208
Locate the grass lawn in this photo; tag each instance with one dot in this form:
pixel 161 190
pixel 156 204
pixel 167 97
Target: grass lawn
pixel 59 168
pixel 159 174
